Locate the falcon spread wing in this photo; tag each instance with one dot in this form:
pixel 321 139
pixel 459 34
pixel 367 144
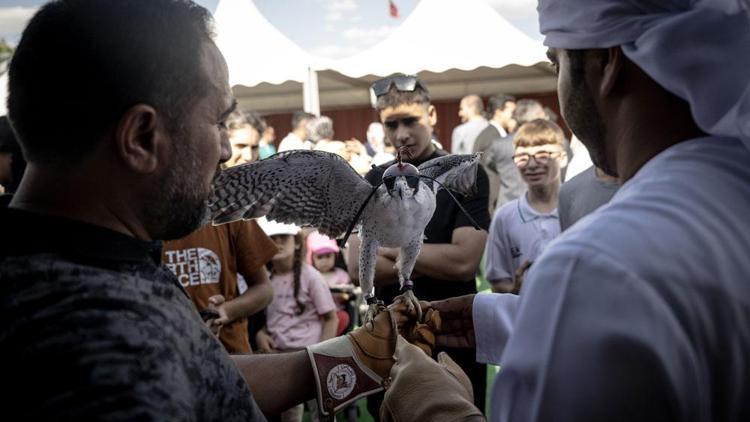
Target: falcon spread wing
pixel 301 187
pixel 456 172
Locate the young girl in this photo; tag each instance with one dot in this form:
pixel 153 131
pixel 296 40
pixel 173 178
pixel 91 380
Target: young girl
pixel 302 311
pixel 323 252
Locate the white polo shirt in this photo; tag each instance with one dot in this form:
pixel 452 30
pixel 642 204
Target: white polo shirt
pixel 518 233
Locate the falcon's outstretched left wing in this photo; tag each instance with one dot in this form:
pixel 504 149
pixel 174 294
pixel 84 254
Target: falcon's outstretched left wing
pixel 456 172
pixel 301 187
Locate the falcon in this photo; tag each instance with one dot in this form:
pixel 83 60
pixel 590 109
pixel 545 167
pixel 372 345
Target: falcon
pixel 321 189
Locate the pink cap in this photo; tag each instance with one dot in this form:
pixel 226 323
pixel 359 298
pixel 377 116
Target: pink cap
pixel 319 244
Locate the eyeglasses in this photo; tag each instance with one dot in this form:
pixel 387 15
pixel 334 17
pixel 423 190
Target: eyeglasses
pixel 404 83
pixel 541 158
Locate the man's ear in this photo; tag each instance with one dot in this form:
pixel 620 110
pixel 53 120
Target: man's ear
pixel 611 71
pixel 432 114
pixel 139 138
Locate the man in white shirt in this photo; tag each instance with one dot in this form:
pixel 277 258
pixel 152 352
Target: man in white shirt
pixel 465 134
pixel 299 137
pixel 640 311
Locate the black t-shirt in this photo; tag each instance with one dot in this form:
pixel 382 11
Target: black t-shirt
pixel 447 217
pixel 94 328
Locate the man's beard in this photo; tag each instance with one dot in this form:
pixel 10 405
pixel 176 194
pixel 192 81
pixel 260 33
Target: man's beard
pixel 586 123
pixel 181 206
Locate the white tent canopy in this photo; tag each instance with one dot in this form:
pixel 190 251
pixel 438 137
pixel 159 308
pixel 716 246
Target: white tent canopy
pixel 339 91
pixel 257 52
pixel 446 34
pixel 254 49
pixel 456 47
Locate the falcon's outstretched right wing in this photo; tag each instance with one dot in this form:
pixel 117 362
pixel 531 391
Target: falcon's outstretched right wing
pixel 301 187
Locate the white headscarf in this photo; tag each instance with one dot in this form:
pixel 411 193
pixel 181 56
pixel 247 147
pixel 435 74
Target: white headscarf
pixel 697 49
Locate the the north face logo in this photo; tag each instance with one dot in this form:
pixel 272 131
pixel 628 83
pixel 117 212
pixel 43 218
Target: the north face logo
pixel 194 266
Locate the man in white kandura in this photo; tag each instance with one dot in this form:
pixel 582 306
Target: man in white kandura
pixel 641 311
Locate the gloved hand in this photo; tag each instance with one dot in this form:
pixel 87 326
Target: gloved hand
pixel 457 322
pixel 419 333
pixel 375 343
pixel 425 390
pixel 354 366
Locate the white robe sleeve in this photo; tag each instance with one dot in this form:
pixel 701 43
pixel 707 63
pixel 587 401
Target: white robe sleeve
pixel 493 316
pixel 592 341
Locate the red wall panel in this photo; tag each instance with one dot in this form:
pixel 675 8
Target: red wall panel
pixel 352 122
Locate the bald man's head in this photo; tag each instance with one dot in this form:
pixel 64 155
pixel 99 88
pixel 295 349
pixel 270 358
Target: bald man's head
pixel 471 107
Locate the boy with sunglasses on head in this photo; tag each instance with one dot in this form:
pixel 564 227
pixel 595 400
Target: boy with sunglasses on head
pixel 523 227
pixel 447 264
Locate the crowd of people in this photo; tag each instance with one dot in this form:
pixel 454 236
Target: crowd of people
pixel 617 257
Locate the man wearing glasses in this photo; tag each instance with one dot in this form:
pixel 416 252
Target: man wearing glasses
pixel 450 256
pixel 523 227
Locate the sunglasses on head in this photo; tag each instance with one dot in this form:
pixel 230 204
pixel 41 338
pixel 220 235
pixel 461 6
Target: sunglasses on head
pixel 404 83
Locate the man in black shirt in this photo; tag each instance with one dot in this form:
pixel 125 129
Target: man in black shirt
pixel 94 328
pixel 447 264
pixel 106 325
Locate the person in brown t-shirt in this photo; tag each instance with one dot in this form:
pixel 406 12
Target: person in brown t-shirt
pixel 207 263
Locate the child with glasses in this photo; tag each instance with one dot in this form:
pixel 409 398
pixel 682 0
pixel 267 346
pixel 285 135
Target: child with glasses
pixel 523 227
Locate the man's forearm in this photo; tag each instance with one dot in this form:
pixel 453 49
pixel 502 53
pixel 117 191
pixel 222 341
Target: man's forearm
pixel 329 328
pixel 292 375
pixel 254 300
pixel 385 274
pixel 446 261
pixel 441 261
pixel 385 271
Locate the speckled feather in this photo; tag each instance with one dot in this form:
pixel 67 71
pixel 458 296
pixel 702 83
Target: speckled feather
pixel 322 190
pixel 463 175
pixel 301 187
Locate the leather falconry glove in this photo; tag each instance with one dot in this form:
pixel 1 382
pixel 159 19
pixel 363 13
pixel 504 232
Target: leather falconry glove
pixel 420 333
pixel 350 367
pixel 425 390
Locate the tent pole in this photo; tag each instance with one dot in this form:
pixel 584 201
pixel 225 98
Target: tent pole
pixel 310 92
